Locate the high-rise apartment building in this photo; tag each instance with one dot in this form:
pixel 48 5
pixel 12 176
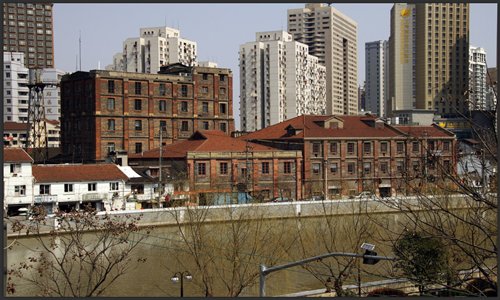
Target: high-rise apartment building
pixel 401 92
pixel 491 95
pixel 28 28
pixel 442 57
pixel 155 47
pixel 477 74
pixel 376 55
pixel 279 80
pixel 16 90
pixel 429 49
pixel 332 37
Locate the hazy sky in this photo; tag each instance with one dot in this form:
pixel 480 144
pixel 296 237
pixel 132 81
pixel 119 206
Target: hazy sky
pixel 219 30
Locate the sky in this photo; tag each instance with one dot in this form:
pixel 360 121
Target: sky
pixel 219 30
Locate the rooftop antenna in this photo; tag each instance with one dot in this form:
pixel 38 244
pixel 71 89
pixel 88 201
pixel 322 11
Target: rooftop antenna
pixel 98 65
pixel 76 62
pixel 80 50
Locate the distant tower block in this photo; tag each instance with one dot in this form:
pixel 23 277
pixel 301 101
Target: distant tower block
pixel 37 126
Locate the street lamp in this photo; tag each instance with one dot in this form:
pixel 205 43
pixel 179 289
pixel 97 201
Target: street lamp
pixel 179 276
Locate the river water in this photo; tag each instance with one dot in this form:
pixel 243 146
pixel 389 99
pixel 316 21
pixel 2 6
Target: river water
pixel 230 250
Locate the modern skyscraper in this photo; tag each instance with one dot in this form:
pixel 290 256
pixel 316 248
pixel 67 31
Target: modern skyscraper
pixel 332 37
pixel 155 47
pixel 477 73
pixel 279 80
pixel 376 82
pixel 429 48
pixel 401 94
pixel 27 28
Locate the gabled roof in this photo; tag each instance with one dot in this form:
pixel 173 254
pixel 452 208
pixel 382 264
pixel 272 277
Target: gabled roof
pixel 15 126
pixel 424 131
pixel 16 155
pixel 312 127
pixel 77 173
pixel 203 141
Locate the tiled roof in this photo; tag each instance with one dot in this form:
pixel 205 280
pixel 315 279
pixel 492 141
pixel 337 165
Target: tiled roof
pixel 15 126
pixel 16 155
pixel 425 131
pixel 310 127
pixel 77 173
pixel 203 141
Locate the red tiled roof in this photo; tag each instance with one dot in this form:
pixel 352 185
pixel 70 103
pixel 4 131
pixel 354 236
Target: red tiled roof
pixel 53 122
pixel 423 131
pixel 15 126
pixel 353 126
pixel 203 141
pixel 16 155
pixel 77 173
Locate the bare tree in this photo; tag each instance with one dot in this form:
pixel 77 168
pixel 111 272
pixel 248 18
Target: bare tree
pixel 82 257
pixel 226 255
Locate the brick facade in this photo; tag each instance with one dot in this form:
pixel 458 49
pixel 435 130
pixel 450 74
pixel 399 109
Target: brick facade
pixel 103 110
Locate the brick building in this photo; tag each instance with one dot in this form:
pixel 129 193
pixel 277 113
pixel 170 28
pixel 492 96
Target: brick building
pixel 211 164
pixel 104 111
pixel 345 155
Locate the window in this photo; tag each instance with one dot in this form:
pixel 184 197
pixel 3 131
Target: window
pixel 222 127
pixel 223 168
pixel 351 149
pixel 351 168
pixel 400 166
pixel 114 186
pixel 68 188
pixel 205 125
pixel 15 168
pixel 111 104
pixel 205 107
pixel 138 125
pixel 111 124
pixel 316 148
pixel 367 148
pixel 316 168
pixel 111 147
pixel 138 147
pixel 163 90
pixel 415 165
pixel 92 187
pixel 44 189
pixel 222 77
pixel 287 167
pixel 222 91
pixel 184 106
pixel 446 166
pixel 383 167
pixel 202 169
pixel 400 147
pixel 222 108
pixel 111 86
pixel 137 88
pixel 367 168
pixel 430 145
pixel 334 168
pixel 7 75
pixel 184 90
pixel 383 147
pixel 446 146
pixel 204 89
pixel 334 148
pixel 20 190
pixel 265 168
pixel 204 76
pixel 184 126
pixel 415 146
pixel 162 105
pixel 138 104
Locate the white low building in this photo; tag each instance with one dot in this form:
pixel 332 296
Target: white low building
pixel 17 180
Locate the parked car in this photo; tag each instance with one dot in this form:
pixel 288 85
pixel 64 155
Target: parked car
pixel 280 199
pixel 317 198
pixel 365 195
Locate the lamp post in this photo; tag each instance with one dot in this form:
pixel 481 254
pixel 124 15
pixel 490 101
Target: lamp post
pixel 179 276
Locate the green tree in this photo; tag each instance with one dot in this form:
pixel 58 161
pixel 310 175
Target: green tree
pixel 423 260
